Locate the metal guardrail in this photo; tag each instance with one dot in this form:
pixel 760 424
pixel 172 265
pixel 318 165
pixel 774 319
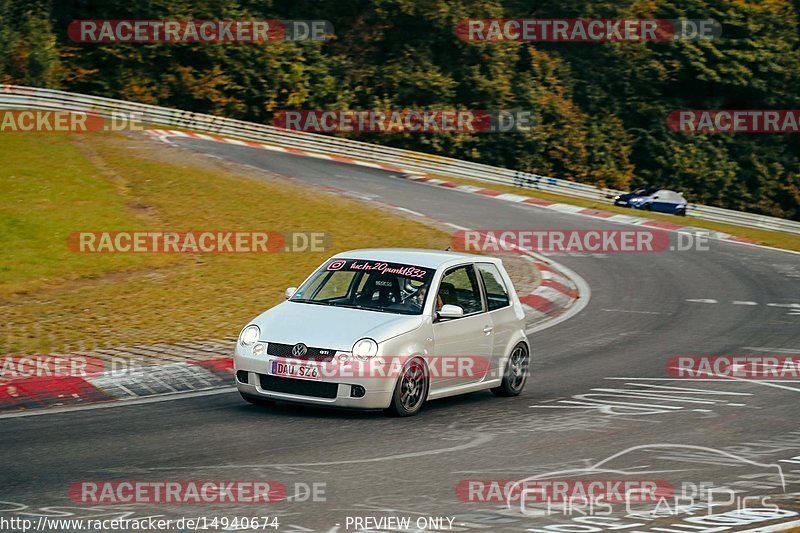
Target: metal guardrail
pixel 20 97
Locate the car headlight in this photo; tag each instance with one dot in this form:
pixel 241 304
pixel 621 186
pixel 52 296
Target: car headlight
pixel 249 335
pixel 364 349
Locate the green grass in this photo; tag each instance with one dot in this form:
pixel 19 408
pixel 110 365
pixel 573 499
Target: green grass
pixel 47 191
pixel 53 299
pixel 777 239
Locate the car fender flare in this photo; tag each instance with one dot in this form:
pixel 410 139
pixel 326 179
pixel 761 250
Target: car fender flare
pixel 424 360
pixel 517 338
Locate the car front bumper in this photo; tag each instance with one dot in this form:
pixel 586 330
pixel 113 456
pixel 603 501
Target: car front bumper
pixel 336 387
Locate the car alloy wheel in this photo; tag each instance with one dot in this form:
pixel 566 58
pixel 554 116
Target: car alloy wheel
pixel 516 373
pixel 411 389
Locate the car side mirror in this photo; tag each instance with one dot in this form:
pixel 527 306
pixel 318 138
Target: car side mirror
pixel 450 311
pixel 289 292
pixel 655 197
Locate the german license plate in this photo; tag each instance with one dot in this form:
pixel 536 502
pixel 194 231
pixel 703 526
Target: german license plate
pixel 295 371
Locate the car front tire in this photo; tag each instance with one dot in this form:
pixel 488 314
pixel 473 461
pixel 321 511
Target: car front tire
pixel 411 389
pixel 516 373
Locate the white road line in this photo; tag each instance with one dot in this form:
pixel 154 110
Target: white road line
pixel 478 442
pixel 455 226
pixel 638 312
pixel 718 380
pixel 773 350
pixel 415 213
pixel 701 301
pixel 361 196
pixel 729 379
pixel 777 527
pixel 120 403
pixel 743 302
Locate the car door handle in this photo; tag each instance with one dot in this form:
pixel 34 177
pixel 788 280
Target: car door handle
pixel 487 329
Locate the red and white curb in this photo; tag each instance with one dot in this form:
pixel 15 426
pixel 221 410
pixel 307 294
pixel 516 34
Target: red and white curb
pixel 554 295
pixel 208 366
pixel 163 135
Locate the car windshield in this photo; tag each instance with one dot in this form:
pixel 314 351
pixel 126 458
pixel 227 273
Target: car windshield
pixel 366 284
pixel 644 191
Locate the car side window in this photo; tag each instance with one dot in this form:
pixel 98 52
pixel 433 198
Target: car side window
pixel 496 292
pixel 460 287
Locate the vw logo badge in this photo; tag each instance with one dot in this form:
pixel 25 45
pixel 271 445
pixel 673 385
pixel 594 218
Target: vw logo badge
pixel 299 349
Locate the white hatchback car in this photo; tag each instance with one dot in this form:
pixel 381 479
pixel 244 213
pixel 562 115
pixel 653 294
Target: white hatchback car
pixel 366 330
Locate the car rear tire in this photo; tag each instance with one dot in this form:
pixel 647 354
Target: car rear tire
pixel 681 212
pixel 256 400
pixel 516 373
pixel 411 389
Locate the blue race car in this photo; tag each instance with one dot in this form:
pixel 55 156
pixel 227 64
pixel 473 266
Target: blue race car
pixel 653 199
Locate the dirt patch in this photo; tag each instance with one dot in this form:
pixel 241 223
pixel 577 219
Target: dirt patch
pixel 523 273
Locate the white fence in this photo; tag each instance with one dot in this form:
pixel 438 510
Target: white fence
pixel 18 97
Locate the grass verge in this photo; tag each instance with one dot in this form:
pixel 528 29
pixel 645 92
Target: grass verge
pixel 48 190
pixel 57 300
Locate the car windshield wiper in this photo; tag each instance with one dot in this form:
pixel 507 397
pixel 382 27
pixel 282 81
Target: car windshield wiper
pixel 355 306
pixel 352 306
pixel 316 302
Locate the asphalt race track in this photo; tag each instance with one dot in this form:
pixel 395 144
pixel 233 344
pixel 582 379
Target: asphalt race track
pixel 640 314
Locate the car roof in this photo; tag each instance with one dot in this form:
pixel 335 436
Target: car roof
pixel 415 256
